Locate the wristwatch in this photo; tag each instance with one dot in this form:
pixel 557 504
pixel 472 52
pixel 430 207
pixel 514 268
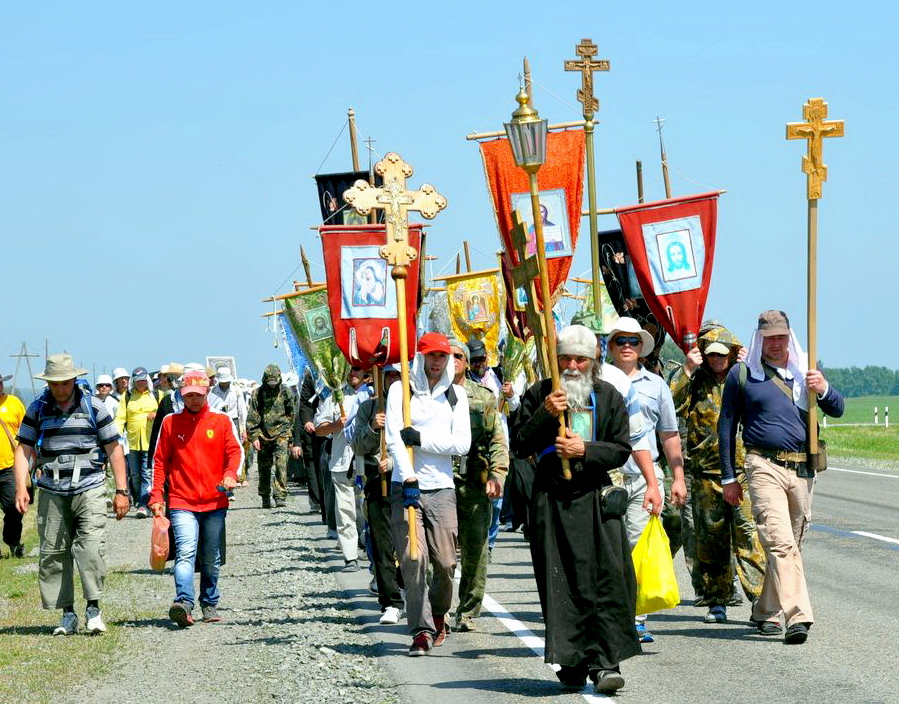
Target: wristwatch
pixel 121 492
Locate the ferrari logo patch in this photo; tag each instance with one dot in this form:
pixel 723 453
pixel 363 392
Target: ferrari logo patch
pixel 210 434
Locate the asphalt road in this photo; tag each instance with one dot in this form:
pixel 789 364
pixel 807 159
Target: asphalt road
pixel 850 657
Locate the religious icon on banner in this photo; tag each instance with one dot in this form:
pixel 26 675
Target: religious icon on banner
pixel 475 303
pixel 334 209
pixel 364 280
pixel 554 213
pixel 318 321
pixel 676 252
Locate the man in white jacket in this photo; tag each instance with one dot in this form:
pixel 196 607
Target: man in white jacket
pixel 440 428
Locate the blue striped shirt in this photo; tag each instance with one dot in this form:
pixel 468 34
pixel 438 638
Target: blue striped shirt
pixel 53 433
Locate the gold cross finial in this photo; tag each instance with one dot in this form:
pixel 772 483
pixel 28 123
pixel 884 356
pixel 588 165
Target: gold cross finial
pixel 586 50
pixel 814 129
pixel 396 201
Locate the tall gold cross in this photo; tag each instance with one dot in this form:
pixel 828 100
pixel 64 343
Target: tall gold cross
pixel 586 50
pixel 527 270
pixel 814 129
pixel 396 201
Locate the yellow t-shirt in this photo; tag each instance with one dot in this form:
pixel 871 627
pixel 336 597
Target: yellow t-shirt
pixel 11 413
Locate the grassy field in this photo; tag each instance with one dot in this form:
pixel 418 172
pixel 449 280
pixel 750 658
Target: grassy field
pixel 34 666
pixel 870 442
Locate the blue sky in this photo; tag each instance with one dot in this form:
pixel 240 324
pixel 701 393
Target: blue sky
pixel 157 157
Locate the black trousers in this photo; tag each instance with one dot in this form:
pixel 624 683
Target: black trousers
pixel 383 555
pixel 12 519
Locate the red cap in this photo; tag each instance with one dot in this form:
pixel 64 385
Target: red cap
pixel 195 383
pixel 433 342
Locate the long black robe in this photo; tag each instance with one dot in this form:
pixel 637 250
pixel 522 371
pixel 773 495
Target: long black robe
pixel 582 560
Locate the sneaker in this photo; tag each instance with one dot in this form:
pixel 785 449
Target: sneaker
pixel 94 619
pixel 331 533
pixel 736 599
pixel 442 628
pixel 142 512
pixel 766 628
pixel 18 550
pixel 180 614
pixel 643 636
pixel 390 616
pixel 373 586
pixel 68 624
pixel 607 681
pixel 700 601
pixel 716 614
pixel 351 566
pixel 266 502
pixel 421 645
pixel 210 614
pixel 465 623
pixel 797 634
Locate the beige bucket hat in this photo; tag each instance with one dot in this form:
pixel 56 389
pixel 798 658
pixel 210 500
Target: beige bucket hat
pixel 60 367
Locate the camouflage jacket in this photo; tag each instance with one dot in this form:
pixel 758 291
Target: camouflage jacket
pixel 271 410
pixel 697 399
pixel 488 457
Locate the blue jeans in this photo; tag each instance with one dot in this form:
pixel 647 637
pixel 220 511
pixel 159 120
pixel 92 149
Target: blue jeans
pixel 140 477
pixel 493 531
pixel 189 526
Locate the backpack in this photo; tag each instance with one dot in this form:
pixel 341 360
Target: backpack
pixel 85 407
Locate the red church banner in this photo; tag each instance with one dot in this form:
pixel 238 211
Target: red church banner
pixel 561 186
pixel 362 294
pixel 672 246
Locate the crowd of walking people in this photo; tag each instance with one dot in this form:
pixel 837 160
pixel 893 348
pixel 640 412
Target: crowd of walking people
pixel 716 446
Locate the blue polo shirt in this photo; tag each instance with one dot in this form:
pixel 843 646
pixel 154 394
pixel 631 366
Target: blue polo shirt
pixel 657 407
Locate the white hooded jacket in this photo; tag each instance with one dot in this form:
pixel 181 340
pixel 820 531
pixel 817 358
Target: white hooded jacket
pixel 445 431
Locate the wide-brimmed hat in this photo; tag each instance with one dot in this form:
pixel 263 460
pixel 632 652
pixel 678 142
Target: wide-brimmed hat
pixel 60 367
pixel 120 372
pixel 632 327
pixel 104 379
pixel 223 375
pixel 5 378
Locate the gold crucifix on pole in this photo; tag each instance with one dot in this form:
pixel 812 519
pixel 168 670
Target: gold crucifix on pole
pixel 396 202
pixel 815 129
pixel 586 64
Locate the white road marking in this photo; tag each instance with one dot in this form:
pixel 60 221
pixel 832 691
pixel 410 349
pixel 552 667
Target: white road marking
pixel 526 636
pixel 875 536
pixel 871 474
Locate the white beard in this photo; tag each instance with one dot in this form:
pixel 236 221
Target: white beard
pixel 577 387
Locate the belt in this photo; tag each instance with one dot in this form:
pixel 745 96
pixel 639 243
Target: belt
pixel 789 460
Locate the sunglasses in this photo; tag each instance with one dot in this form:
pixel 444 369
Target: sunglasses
pixel 458 355
pixel 477 360
pixel 100 386
pixel 632 340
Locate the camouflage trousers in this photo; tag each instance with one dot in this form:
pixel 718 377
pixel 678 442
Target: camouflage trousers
pixel 474 511
pixel 725 536
pixel 271 464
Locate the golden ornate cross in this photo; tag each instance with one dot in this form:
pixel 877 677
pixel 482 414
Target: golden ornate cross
pixel 586 50
pixel 814 129
pixel 527 270
pixel 396 202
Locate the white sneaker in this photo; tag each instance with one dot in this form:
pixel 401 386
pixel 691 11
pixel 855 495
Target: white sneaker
pixel 94 620
pixel 68 624
pixel 390 616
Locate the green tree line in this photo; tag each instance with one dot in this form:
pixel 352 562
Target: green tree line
pixel 863 381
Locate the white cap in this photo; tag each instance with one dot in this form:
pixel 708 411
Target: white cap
pixel 119 372
pixel 223 375
pixel 104 379
pixel 577 340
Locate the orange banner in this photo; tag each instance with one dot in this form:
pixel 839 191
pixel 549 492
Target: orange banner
pixel 560 182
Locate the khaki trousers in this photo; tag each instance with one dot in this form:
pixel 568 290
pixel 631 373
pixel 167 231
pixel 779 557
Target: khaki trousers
pixel 782 509
pixel 72 531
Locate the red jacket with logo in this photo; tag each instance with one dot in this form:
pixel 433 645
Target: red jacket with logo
pixel 195 451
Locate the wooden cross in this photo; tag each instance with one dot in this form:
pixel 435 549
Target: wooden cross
pixel 814 129
pixel 396 201
pixel 527 270
pixel 586 50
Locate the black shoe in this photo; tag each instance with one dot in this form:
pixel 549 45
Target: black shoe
pixel 18 550
pixel 266 503
pixel 351 566
pixel 572 678
pixel 766 628
pixel 797 634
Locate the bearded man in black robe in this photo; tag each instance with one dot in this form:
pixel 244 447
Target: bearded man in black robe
pixel 582 559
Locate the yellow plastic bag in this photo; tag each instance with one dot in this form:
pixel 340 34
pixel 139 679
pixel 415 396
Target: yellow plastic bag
pixel 656 584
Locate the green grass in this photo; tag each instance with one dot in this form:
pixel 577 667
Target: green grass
pixel 869 442
pixel 35 666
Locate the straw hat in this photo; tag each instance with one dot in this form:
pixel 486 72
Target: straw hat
pixel 60 367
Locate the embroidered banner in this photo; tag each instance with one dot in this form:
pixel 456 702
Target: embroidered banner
pixel 295 356
pixel 672 247
pixel 362 294
pixel 475 304
pixel 335 210
pixel 561 186
pixel 310 320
